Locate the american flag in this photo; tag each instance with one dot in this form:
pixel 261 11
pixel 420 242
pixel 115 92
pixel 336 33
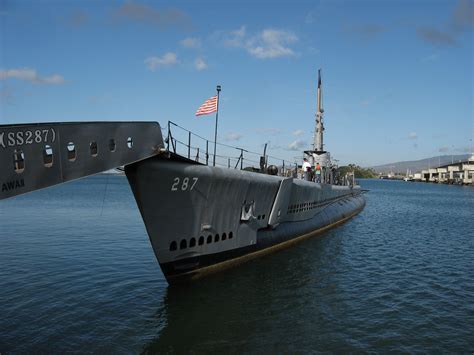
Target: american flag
pixel 209 106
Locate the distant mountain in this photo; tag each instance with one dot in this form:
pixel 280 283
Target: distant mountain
pixel 418 165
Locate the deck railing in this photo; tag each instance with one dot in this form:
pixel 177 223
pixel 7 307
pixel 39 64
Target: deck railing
pixel 183 142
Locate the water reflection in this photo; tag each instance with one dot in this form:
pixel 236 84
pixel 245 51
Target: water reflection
pixel 238 307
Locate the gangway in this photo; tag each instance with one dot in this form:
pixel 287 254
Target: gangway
pixel 35 156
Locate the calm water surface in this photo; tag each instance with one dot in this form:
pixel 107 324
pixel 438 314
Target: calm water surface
pixel 78 274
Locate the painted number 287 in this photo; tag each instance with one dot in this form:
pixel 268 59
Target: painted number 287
pixel 184 184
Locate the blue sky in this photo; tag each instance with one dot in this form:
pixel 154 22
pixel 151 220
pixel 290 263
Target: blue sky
pixel 397 75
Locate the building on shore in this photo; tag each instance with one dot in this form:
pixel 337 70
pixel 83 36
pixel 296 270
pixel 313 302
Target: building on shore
pixel 455 173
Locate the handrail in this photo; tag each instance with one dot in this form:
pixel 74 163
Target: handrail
pixel 197 143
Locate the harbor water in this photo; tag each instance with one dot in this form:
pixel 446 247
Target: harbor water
pixel 78 275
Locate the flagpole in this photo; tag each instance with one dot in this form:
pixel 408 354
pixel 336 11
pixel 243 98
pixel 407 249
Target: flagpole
pixel 215 132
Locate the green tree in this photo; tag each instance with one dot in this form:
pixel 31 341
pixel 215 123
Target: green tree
pixel 360 173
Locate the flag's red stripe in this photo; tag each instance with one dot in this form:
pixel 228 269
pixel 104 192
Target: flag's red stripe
pixel 209 106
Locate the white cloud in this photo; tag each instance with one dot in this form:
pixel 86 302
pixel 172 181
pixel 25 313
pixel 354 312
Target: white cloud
pixel 268 44
pixel 167 59
pixel 436 37
pixel 412 135
pixel 313 50
pixel 233 136
pixel 297 145
pixel 191 42
pixel 32 76
pixel 271 43
pixel 200 64
pixel 236 37
pixel 140 13
pixel 298 133
pixel 52 80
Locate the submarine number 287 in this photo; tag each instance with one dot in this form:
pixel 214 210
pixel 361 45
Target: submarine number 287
pixel 185 184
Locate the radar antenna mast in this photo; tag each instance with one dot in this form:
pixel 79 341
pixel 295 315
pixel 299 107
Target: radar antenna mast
pixel 318 137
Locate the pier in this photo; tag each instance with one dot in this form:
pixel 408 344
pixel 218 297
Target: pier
pixel 454 173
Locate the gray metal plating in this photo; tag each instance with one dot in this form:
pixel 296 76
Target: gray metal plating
pixel 198 216
pixel 35 156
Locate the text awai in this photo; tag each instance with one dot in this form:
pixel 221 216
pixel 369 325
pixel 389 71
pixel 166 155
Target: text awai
pixel 13 185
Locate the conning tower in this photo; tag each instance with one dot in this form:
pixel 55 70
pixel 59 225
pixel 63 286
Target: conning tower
pixel 318 154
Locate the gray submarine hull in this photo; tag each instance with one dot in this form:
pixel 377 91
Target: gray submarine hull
pixel 201 219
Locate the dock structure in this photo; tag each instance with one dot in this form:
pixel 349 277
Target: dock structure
pixel 454 173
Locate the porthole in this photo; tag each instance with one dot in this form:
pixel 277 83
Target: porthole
pixel 216 238
pixel 183 244
pixel 48 156
pixel 201 240
pixel 94 149
pixel 112 145
pixel 259 217
pixel 231 235
pixel 18 161
pixel 209 239
pixel 71 151
pixel 263 216
pixel 192 242
pixel 224 236
pixel 173 246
